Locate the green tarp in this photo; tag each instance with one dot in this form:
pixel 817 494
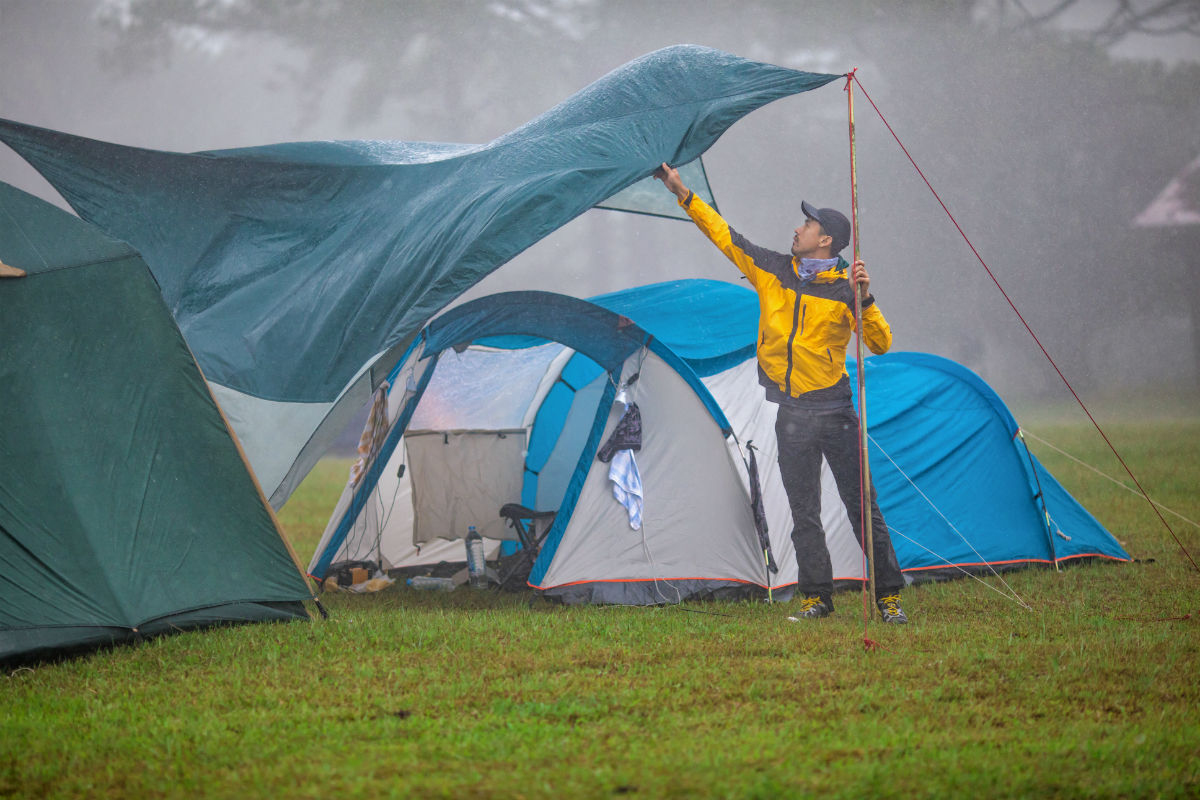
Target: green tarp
pixel 290 267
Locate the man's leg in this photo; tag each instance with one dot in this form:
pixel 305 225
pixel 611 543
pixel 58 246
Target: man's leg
pixel 800 467
pixel 840 445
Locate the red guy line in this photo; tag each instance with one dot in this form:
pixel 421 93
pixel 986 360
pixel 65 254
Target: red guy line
pixel 851 76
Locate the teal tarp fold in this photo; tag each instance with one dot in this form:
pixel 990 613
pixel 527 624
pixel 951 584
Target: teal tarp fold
pixel 289 267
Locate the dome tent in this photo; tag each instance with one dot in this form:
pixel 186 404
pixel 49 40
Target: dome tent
pixel 538 379
pixel 111 452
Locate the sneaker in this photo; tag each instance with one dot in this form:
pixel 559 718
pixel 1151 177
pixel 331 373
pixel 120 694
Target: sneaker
pixel 889 608
pixel 811 607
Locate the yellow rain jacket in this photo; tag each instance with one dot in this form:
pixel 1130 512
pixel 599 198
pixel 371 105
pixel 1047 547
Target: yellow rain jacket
pixel 803 328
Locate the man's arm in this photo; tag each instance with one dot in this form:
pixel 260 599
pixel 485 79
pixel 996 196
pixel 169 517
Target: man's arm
pixel 748 257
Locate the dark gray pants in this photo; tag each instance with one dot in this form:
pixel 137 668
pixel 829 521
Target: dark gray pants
pixel 804 436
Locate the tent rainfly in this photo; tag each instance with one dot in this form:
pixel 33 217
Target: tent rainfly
pixel 512 397
pixel 126 507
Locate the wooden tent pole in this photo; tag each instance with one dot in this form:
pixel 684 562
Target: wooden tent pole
pixel 865 471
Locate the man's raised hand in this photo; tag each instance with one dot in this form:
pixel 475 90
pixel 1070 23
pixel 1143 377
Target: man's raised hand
pixel 670 178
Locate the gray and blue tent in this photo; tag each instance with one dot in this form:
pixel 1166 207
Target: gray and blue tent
pixel 126 507
pixel 508 400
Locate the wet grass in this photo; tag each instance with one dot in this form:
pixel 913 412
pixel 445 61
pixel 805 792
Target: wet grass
pixel 401 693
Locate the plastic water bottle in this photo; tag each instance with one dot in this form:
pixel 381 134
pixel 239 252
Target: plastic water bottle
pixel 430 583
pixel 476 565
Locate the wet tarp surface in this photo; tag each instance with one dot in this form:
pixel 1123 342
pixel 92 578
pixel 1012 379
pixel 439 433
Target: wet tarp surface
pixel 289 267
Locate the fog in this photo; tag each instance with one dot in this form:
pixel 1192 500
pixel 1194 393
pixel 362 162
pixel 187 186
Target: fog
pixel 1043 144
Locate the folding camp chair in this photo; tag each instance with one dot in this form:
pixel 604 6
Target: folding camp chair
pixel 531 527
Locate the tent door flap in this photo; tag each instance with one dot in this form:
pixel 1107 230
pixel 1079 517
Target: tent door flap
pixel 462 478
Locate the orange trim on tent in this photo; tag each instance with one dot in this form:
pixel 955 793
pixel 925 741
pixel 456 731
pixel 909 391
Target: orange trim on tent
pixel 643 580
pixel 836 578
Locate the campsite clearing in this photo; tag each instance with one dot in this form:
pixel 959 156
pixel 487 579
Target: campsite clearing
pixel 482 695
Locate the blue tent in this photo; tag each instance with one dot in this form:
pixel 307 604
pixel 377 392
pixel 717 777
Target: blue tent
pixel 947 459
pixel 299 272
pixel 534 380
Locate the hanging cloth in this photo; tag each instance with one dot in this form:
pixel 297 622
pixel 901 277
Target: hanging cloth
pixel 373 435
pixel 618 451
pixel 626 436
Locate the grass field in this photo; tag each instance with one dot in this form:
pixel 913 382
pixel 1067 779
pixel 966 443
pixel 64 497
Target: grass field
pixel 1093 693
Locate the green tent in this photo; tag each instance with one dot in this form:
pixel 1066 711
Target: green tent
pixel 126 507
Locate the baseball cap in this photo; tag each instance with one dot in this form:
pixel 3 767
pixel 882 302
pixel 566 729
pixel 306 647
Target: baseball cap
pixel 832 221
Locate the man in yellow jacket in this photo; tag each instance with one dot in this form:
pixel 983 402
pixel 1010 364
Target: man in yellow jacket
pixel 805 322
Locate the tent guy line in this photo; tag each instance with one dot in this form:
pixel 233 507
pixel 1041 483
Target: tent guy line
pixel 1145 495
pixel 1108 477
pixel 1012 593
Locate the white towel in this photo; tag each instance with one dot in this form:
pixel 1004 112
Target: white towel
pixel 627 485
